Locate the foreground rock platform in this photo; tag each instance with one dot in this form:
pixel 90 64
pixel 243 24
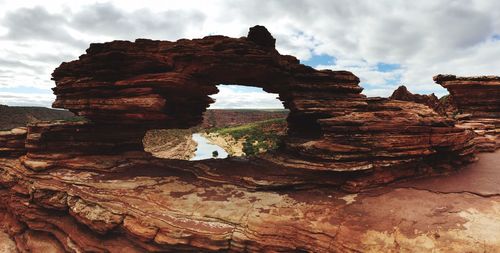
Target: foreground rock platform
pixel 133 211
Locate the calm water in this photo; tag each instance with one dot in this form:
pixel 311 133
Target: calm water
pixel 205 148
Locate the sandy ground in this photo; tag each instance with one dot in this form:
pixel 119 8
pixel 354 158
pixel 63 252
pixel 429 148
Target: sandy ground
pixel 170 144
pixel 233 147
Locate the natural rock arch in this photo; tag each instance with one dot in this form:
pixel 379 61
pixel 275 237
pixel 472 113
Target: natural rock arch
pixel 166 84
pixel 125 88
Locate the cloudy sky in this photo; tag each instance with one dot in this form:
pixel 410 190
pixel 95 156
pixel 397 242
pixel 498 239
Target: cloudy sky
pixel 386 42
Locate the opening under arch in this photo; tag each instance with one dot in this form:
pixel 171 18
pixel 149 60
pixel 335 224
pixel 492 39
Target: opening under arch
pixel 243 121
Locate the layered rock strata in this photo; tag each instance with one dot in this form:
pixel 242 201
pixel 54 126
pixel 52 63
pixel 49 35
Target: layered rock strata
pixel 477 100
pixel 386 140
pixel 88 186
pixel 12 142
pixel 66 143
pixel 402 93
pixel 444 105
pixel 166 84
pixel 161 209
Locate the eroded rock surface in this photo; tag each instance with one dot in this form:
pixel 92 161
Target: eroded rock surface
pixel 12 142
pixel 402 93
pixel 161 209
pixel 478 102
pixel 331 126
pixel 444 105
pixel 88 186
pixel 62 143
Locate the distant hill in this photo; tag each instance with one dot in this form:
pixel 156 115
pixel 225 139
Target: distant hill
pixel 15 116
pixel 218 118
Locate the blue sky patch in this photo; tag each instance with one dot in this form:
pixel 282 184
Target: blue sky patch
pixel 319 59
pixel 387 67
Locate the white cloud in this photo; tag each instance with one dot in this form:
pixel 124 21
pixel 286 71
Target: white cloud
pixel 424 37
pixel 235 96
pixel 26 99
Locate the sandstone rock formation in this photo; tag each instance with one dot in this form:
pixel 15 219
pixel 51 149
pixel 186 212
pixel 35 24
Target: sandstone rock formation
pixel 61 143
pixel 162 209
pixel 402 93
pixel 444 105
pixel 89 187
pixel 12 142
pixel 478 102
pixel 166 84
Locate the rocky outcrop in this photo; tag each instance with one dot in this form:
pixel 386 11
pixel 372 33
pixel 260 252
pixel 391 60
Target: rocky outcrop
pixel 388 139
pixel 89 186
pixel 67 143
pixel 444 105
pixel 402 93
pixel 447 106
pixel 12 142
pixel 477 100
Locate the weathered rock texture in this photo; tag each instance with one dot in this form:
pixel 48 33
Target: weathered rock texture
pixel 478 102
pixel 161 209
pixel 444 105
pixel 53 144
pixel 331 126
pixel 12 142
pixel 402 93
pixel 89 186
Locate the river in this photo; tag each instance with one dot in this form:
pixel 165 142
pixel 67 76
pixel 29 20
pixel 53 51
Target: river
pixel 205 148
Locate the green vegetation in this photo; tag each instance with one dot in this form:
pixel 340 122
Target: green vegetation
pixel 258 136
